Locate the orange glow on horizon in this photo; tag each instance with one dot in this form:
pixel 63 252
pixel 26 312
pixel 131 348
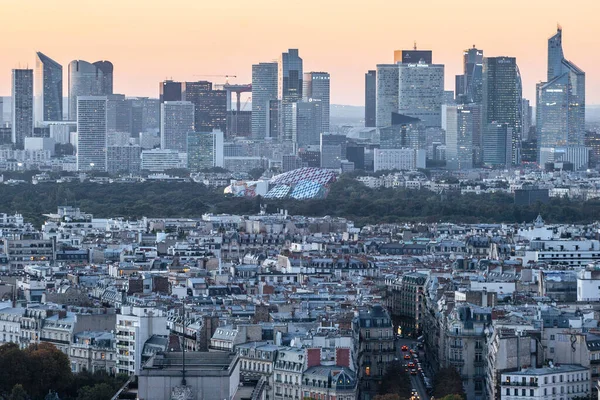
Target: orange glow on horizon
pixel 148 41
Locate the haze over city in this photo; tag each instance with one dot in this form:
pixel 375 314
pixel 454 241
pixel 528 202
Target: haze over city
pixel 152 40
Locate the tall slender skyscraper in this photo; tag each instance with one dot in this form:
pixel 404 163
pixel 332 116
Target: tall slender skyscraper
pixel 370 98
pixel 290 76
pixel 91 133
pixel 22 106
pixel 264 89
pixel 106 67
pixel 316 86
pixel 473 70
pixel 387 93
pixel 502 96
pixel 460 126
pixel 560 118
pixel 86 79
pixel 176 121
pixel 48 89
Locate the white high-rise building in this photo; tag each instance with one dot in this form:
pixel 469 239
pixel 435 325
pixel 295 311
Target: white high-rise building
pixel 387 93
pixel 176 121
pixel 159 160
pixel 460 123
pixel 398 159
pixel 135 325
pixel 421 92
pixel 91 133
pixel 22 106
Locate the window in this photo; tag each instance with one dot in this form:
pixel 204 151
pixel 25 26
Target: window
pixel 552 337
pixel 367 334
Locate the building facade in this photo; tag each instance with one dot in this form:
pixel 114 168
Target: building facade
pixel 205 150
pixel 316 86
pixel 22 106
pixel 48 89
pixel 374 330
pixel 91 133
pixel 387 93
pixel 421 92
pixel 264 90
pixel 177 120
pixel 502 100
pixel 370 98
pixel 560 119
pixel 87 79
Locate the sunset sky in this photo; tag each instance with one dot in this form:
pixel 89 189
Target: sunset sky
pixel 151 40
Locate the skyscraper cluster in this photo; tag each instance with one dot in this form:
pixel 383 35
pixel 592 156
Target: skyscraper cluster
pixel 487 121
pixel 288 105
pixel 409 116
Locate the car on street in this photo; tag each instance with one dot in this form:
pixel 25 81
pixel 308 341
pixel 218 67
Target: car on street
pixel 413 371
pixel 407 356
pixel 405 348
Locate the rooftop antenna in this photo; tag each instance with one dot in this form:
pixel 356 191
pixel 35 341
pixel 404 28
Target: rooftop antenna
pixel 415 45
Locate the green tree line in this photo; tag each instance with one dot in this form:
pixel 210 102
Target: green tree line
pixel 347 198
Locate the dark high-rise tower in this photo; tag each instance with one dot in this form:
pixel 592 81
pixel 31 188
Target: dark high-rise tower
pixel 107 76
pixel 370 98
pixel 169 91
pixel 48 89
pixel 210 106
pixel 502 99
pixel 22 106
pixel 469 84
pixel 290 76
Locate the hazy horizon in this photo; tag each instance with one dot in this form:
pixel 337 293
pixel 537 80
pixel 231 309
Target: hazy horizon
pixel 188 40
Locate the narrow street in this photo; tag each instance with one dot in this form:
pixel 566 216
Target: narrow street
pixel 416 380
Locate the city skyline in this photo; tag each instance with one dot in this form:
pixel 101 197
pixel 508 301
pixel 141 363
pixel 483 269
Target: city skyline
pixel 346 53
